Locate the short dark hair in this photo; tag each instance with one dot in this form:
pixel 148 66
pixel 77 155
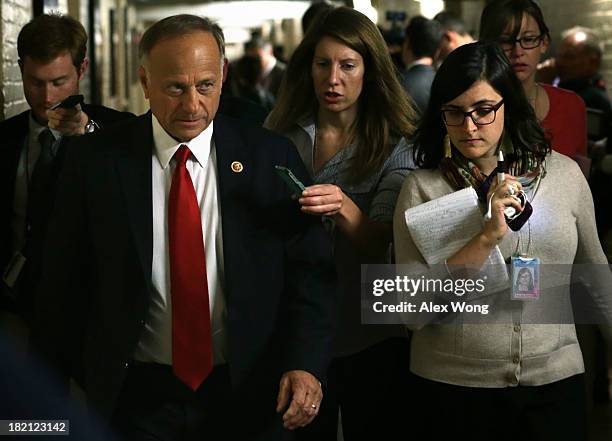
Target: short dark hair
pixel 47 36
pixel 257 42
pixel 462 68
pixel 451 22
pixel 424 36
pixel 497 15
pixel 248 70
pixel 177 25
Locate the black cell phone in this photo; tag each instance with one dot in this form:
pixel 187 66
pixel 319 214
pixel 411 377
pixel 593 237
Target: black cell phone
pixel 69 102
pixel 294 184
pixel 517 219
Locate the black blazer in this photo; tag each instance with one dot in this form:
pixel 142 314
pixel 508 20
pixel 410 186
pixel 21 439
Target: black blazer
pixel 13 134
pixel 274 79
pixel 96 286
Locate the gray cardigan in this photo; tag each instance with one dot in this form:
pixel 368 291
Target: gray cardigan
pixel 563 232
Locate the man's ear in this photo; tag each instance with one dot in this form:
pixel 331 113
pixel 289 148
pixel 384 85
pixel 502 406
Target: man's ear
pixel 83 68
pixel 406 52
pixel 436 56
pixel 144 82
pixel 595 61
pixel 224 69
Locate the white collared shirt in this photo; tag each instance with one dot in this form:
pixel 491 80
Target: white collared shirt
pixel 271 65
pixel 426 61
pixel 156 339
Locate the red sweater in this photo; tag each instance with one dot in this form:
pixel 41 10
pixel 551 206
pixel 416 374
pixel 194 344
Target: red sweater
pixel 565 123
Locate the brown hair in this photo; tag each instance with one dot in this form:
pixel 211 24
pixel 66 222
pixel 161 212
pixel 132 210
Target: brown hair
pixel 497 15
pixel 47 36
pixel 385 113
pixel 177 25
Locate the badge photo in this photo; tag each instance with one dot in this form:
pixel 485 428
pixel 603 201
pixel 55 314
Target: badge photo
pixel 525 278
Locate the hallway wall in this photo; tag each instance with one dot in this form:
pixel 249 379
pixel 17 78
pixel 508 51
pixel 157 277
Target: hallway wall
pixel 13 15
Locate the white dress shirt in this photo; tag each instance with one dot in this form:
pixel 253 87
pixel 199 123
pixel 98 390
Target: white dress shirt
pixel 156 340
pixel 425 61
pixel 271 65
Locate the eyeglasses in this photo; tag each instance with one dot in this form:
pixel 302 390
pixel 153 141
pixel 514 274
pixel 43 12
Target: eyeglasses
pixel 481 116
pixel 528 42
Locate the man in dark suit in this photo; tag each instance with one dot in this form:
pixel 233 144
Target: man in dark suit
pixel 273 70
pixel 184 288
pixel 455 33
pixel 578 64
pixel 421 42
pixel 52 60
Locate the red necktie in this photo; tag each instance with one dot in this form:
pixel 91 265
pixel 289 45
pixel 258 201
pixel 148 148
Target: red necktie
pixel 192 358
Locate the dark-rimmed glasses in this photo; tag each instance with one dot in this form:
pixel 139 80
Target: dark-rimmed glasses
pixel 481 116
pixel 528 42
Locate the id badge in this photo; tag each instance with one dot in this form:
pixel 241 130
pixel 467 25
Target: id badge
pixel 525 278
pixel 13 269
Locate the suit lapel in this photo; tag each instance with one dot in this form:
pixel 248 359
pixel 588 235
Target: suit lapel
pixel 234 187
pixel 134 168
pixel 14 143
pixel 11 145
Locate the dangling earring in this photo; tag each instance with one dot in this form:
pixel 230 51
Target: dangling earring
pixel 447 147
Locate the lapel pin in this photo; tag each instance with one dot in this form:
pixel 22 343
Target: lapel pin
pixel 237 167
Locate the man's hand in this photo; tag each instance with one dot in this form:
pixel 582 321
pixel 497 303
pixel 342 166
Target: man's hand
pixel 301 392
pixel 69 122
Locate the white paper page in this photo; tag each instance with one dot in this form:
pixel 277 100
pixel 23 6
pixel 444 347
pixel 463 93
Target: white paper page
pixel 442 226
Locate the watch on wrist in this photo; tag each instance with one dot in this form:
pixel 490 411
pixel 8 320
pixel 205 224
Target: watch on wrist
pixel 91 126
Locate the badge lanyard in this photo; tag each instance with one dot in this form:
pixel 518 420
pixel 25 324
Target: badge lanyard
pixel 525 266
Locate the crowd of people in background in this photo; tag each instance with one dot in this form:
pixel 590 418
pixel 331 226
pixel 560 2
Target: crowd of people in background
pixel 159 265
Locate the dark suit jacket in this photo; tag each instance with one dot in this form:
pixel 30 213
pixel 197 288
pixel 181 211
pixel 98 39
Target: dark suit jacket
pixel 13 133
pixel 96 287
pixel 417 84
pixel 592 91
pixel 274 79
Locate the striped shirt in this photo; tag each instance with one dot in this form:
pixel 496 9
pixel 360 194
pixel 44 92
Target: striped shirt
pixel 376 197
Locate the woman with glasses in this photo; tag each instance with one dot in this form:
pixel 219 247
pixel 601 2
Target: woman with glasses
pixel 344 109
pixel 496 381
pixel 524 281
pixel 519 28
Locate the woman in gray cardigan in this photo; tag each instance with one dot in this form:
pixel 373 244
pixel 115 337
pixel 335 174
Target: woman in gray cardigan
pixel 518 380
